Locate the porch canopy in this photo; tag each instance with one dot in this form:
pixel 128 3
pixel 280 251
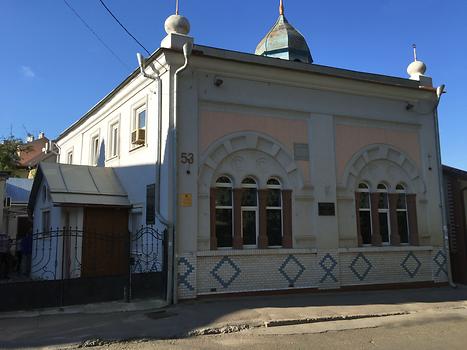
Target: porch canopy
pixel 79 185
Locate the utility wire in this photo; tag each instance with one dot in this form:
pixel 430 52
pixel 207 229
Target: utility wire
pixel 96 35
pixel 121 25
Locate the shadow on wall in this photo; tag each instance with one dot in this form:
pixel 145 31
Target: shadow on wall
pixel 101 158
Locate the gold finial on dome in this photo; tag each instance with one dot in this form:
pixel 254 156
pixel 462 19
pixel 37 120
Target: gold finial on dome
pixel 281 8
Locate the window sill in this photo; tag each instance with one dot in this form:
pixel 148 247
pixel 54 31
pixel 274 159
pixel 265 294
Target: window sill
pixel 112 158
pixel 254 251
pixel 138 147
pixel 401 248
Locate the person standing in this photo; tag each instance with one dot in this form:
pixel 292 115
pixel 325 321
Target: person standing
pixel 26 249
pixel 4 255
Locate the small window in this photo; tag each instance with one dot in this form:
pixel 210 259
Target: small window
pixel 383 212
pixel 138 130
pixel 402 215
pixel 69 157
pixel 364 212
pixel 224 212
pixel 44 193
pixel 94 150
pixel 274 213
pixel 46 222
pixel 114 140
pixel 249 212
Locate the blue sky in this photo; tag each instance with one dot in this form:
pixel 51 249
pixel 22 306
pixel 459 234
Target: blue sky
pixel 52 69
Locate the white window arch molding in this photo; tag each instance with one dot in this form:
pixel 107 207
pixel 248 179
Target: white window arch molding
pixel 382 163
pixel 244 154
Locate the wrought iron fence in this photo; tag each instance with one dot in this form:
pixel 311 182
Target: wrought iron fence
pixel 69 253
pixel 147 250
pixel 67 266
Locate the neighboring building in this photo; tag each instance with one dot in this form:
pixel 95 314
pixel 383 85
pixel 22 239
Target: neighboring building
pixel 16 221
pixel 33 152
pixel 455 189
pixel 274 173
pixel 3 177
pixel 80 199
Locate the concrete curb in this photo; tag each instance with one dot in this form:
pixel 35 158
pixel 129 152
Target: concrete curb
pixel 291 322
pixel 98 308
pixel 234 328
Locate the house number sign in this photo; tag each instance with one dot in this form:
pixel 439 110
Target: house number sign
pixel 187 158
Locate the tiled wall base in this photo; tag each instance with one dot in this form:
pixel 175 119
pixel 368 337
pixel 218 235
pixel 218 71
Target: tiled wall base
pixel 261 270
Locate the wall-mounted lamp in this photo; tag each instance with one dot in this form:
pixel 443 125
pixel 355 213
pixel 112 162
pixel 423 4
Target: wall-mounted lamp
pixel 409 106
pixel 218 82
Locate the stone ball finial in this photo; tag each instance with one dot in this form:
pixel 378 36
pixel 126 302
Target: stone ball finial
pixel 416 69
pixel 177 24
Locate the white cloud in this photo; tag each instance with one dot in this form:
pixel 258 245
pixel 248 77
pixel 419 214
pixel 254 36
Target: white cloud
pixel 27 72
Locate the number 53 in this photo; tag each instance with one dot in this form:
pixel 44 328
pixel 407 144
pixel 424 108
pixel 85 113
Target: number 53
pixel 187 158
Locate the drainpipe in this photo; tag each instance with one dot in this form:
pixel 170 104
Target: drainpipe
pixel 187 49
pixel 156 77
pixel 439 93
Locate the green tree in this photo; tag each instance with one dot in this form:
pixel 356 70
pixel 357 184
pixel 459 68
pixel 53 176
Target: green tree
pixel 9 155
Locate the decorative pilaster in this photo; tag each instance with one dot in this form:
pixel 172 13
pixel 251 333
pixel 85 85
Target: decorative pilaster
pixel 375 233
pixel 395 237
pixel 263 241
pixel 237 205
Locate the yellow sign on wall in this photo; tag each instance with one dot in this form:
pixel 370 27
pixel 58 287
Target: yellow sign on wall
pixel 186 199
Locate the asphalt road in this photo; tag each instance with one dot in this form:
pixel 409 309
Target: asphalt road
pixel 420 309
pixel 433 330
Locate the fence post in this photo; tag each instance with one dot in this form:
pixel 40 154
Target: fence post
pixel 62 279
pixel 128 250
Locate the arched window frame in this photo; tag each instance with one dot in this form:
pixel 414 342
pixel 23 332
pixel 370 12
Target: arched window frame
pixel 402 214
pixel 249 211
pixel 274 184
pixel 384 214
pixel 226 183
pixel 364 212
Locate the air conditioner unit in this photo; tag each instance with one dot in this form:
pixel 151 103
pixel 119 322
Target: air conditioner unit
pixel 138 136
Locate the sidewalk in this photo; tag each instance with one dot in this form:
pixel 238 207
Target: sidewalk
pixel 220 315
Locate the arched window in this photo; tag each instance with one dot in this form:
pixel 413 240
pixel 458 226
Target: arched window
pixel 383 214
pixel 249 212
pixel 402 217
pixel 364 213
pixel 274 213
pixel 224 212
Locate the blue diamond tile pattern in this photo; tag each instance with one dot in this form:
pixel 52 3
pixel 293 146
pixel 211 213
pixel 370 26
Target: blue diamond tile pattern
pixel 440 260
pixel 183 277
pixel 291 269
pixel 411 264
pixel 328 264
pixel 226 271
pixel 360 266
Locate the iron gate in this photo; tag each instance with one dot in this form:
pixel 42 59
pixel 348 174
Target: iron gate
pixel 69 266
pixel 148 263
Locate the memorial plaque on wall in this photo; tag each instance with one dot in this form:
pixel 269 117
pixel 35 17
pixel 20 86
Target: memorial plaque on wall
pixel 326 209
pixel 151 204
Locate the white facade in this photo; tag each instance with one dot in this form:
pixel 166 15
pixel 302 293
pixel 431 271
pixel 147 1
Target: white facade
pixel 321 131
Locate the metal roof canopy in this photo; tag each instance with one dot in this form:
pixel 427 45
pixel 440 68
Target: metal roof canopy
pixel 79 185
pixel 18 189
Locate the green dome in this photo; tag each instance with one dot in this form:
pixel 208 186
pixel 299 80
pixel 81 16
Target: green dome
pixel 284 41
